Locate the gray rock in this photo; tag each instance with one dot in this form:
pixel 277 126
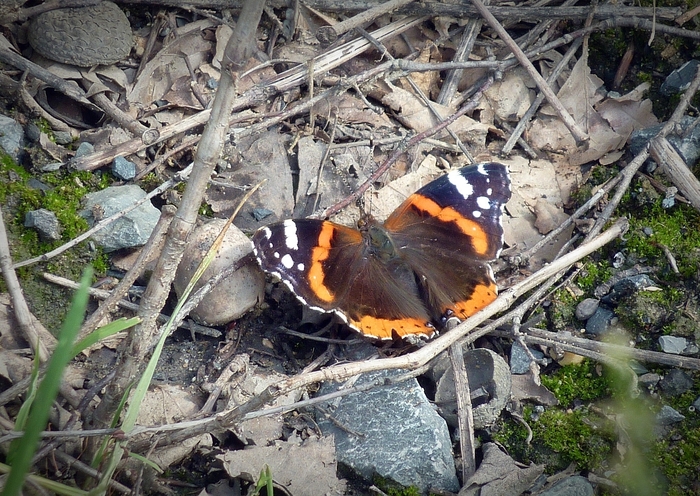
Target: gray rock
pixel 676 382
pixel 128 231
pixel 62 137
pixel 599 322
pixel 587 308
pixel 123 168
pixel 673 344
pixel 649 380
pixel 52 167
pixel 668 416
pixel 489 374
pixel 84 148
pixel 696 404
pixel 519 360
pixel 573 486
pixel 393 432
pixel 45 222
pixel 11 137
pixel 680 79
pixel 687 146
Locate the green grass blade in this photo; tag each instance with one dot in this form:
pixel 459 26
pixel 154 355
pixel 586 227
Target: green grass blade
pixel 104 332
pixel 24 448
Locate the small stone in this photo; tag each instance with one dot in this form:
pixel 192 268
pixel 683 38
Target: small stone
pixel 519 360
pixel 676 382
pixel 648 231
pixel 45 222
pixel 649 380
pixel 62 137
pixel 261 213
pixel 572 486
pixel 680 79
pixel 600 321
pixel 696 404
pixel 84 148
pixel 52 167
pixel 11 137
pixel 673 344
pixel 668 416
pixel 123 169
pixel 587 308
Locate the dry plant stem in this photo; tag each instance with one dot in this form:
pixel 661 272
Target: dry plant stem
pixel 459 10
pixel 69 461
pixel 529 114
pixel 174 181
pixel 21 310
pixel 410 361
pixel 120 117
pixel 256 95
pixel 104 295
pixel 579 135
pixel 629 171
pixel 465 415
pixel 328 34
pixel 581 346
pixel 132 356
pixel 16 60
pixel 466 44
pixel 676 169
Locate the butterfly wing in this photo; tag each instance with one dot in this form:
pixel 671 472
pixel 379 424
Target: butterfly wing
pixel 447 232
pixel 330 268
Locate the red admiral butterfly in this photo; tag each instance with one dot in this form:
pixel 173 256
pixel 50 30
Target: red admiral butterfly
pixel 426 263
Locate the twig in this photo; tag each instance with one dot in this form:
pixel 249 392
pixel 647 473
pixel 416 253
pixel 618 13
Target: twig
pixel 465 415
pixel 579 135
pixel 328 34
pixel 21 310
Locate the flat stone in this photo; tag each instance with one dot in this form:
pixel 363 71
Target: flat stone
pixel 392 431
pixel 519 359
pixel 668 415
pixel 676 382
pixel 131 230
pixel 673 344
pixel 600 322
pixel 45 222
pixel 587 308
pixel 11 137
pixel 123 168
pixel 572 486
pixel 84 36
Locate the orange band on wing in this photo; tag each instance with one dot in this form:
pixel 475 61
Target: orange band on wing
pixel 316 276
pixel 389 328
pixel 483 295
pixel 449 214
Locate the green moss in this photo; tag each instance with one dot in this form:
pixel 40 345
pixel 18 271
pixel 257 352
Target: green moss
pixel 677 229
pixel 592 274
pixel 582 382
pixel 394 489
pixel 649 311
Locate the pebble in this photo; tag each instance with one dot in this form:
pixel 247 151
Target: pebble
pixel 587 308
pixel 668 415
pixel 673 344
pixel 600 321
pixel 676 382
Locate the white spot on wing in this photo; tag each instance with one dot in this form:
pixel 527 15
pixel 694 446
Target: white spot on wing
pixel 300 267
pixel 476 214
pixel 463 186
pixel 483 202
pixel 290 235
pixel 276 254
pixel 287 261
